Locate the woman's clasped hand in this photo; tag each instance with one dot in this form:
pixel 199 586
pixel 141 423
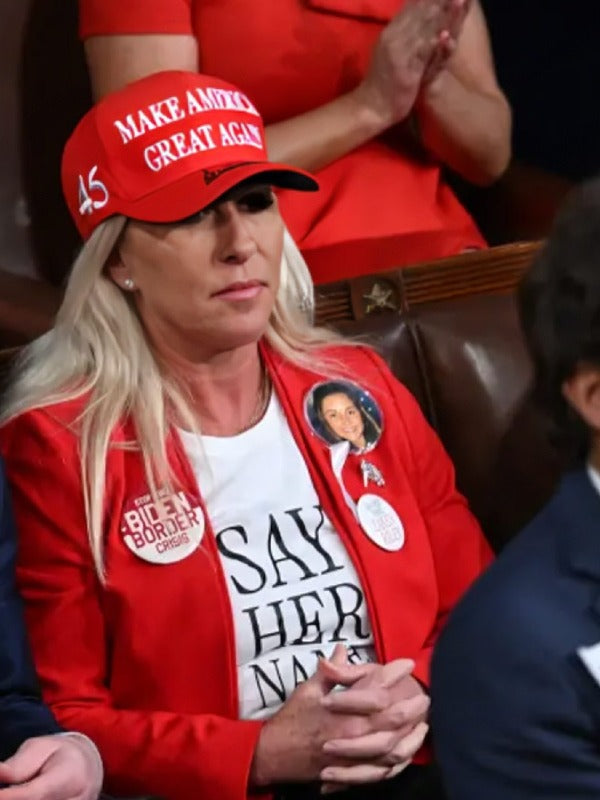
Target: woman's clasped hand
pixel 410 53
pixel 366 731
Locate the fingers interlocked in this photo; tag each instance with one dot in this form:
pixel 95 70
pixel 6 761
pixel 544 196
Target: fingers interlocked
pixel 395 708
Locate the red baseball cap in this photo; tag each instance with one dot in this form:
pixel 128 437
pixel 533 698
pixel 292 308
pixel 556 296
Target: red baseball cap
pixel 163 148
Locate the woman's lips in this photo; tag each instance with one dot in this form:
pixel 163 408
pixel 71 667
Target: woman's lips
pixel 241 290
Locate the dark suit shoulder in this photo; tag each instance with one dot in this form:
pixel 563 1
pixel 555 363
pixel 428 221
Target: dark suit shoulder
pixel 532 590
pixel 514 712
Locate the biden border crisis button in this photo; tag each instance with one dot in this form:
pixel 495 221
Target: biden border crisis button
pixel 164 529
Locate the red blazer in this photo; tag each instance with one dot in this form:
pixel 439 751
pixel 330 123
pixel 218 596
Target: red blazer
pixel 145 665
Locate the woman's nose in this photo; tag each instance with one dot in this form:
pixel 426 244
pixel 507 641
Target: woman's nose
pixel 236 239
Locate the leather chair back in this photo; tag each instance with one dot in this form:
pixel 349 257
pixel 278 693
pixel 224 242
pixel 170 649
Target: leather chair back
pixel 450 333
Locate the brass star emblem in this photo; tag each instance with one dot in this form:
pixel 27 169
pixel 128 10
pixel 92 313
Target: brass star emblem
pixel 379 297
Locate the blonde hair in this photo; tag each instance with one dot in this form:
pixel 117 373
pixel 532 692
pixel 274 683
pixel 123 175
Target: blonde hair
pixel 98 347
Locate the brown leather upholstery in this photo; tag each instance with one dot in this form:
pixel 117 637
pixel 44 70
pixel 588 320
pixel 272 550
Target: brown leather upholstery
pixel 27 308
pixel 480 272
pixel 454 339
pixel 54 94
pixel 478 374
pixel 28 135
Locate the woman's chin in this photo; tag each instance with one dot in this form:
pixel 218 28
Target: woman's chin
pixel 240 336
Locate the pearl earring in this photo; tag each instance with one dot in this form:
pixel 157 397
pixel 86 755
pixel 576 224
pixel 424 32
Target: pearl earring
pixel 128 284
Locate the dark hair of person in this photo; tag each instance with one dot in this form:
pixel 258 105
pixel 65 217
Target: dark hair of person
pixel 559 306
pixel 371 428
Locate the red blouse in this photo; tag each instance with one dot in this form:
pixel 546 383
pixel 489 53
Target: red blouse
pixel 380 205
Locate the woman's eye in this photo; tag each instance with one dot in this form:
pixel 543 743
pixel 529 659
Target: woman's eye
pixel 258 200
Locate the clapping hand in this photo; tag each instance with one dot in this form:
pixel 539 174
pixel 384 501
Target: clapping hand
pixel 411 50
pixel 447 41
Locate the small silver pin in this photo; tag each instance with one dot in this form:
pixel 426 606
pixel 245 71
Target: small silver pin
pixel 371 473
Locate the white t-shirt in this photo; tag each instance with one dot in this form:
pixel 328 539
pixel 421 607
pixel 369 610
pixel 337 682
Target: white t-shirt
pixel 294 592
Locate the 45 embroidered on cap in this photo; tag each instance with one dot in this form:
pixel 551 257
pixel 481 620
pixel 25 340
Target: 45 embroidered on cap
pixel 93 194
pixel 163 148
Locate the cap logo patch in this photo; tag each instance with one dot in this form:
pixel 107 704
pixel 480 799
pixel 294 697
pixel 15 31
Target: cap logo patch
pixel 88 203
pixel 211 175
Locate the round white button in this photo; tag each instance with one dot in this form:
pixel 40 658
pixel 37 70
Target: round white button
pixel 380 522
pixel 165 530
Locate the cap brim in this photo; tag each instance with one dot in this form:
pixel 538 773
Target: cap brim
pixel 195 191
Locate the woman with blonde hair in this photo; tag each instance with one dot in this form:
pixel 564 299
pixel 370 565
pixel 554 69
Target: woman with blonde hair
pixel 199 571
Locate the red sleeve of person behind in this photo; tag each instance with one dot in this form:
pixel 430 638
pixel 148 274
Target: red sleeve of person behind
pixel 109 17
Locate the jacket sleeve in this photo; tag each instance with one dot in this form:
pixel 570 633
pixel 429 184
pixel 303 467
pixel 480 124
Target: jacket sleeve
pixel 460 551
pixel 22 713
pixel 109 17
pixel 172 755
